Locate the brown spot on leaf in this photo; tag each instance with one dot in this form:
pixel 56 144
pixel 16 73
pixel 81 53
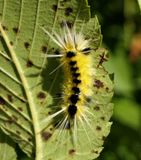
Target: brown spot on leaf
pixel 68 11
pixel 98 128
pixel 49 113
pixel 57 52
pixel 51 129
pixel 97 108
pixel 10 98
pixel 88 99
pixel 10 120
pixel 29 63
pixel 54 7
pixel 15 29
pixel 2 101
pixel 41 95
pixel 98 84
pixel 46 135
pixel 5 28
pixel 103 118
pixel 11 43
pixel 72 152
pixel 44 49
pixel 26 44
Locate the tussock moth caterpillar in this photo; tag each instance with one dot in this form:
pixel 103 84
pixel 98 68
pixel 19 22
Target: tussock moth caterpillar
pixel 75 122
pixel 76 62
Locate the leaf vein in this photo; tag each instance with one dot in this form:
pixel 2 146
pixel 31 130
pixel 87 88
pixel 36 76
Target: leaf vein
pixel 16 122
pixel 12 92
pixel 15 108
pixel 5 56
pixel 17 135
pixel 3 11
pixel 10 76
pixel 19 24
pixel 35 27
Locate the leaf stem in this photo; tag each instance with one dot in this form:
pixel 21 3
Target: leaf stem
pixel 32 105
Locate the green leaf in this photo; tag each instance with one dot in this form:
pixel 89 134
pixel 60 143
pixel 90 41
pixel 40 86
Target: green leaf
pixel 119 65
pixel 124 107
pixel 7 151
pixel 27 89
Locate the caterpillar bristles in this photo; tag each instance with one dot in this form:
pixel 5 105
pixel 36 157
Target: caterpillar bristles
pixel 56 68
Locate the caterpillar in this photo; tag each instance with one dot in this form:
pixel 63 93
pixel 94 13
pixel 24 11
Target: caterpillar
pixel 78 68
pixel 77 65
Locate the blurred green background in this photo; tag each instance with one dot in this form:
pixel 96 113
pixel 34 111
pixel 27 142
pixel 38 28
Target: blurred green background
pixel 121 28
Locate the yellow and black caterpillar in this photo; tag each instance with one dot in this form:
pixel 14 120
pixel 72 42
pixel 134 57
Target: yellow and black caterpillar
pixel 76 60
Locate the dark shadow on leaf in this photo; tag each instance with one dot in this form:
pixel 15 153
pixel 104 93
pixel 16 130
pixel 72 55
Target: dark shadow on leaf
pixel 52 83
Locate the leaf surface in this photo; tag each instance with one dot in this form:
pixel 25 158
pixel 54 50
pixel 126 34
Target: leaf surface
pixel 27 90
